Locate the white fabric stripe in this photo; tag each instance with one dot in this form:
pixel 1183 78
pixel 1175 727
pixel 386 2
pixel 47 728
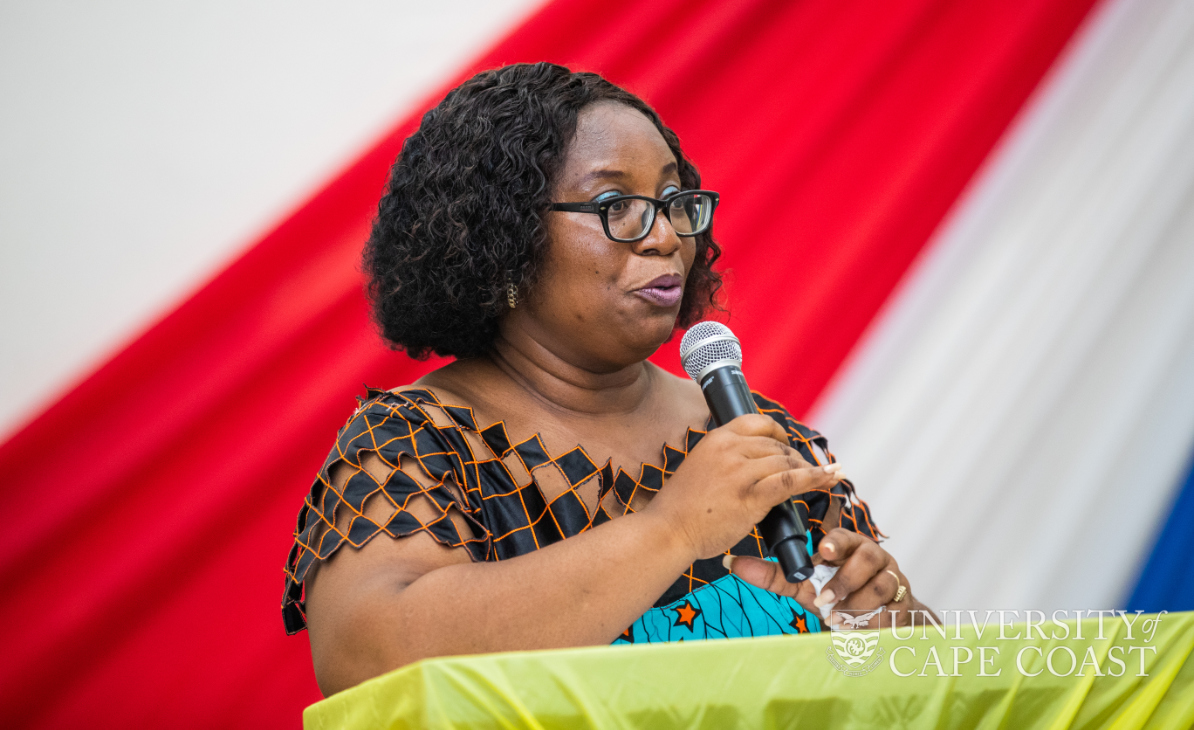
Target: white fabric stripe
pixel 143 144
pixel 1019 414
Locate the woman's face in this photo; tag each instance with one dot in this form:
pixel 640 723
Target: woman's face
pixel 598 303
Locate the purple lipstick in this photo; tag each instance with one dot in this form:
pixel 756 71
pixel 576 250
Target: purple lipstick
pixel 664 291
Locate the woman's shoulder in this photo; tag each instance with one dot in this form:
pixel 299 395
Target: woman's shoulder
pixel 411 420
pixel 783 416
pixel 688 392
pixel 807 440
pixel 406 404
pixel 441 397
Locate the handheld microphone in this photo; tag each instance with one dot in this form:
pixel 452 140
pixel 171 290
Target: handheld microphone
pixel 712 356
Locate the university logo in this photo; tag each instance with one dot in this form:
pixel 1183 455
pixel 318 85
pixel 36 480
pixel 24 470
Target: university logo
pixel 855 651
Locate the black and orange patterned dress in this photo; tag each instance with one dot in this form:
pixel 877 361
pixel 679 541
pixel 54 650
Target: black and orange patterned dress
pixel 516 498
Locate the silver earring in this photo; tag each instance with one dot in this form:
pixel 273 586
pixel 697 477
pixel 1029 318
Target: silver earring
pixel 512 295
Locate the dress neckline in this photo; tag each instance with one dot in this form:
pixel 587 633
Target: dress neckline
pixel 672 456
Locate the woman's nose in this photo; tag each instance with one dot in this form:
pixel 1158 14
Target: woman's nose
pixel 661 240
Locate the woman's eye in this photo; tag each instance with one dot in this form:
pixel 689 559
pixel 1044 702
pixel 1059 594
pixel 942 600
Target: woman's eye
pixel 619 207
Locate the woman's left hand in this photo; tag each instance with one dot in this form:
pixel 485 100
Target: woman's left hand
pixel 867 578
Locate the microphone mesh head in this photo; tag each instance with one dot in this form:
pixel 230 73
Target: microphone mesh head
pixel 706 343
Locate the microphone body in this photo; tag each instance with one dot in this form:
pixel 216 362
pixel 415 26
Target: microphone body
pixel 728 397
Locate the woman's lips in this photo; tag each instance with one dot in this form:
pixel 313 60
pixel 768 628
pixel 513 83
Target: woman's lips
pixel 665 291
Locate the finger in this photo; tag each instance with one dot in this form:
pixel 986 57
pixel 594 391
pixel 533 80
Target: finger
pixel 897 614
pixel 880 590
pixel 866 560
pixel 778 483
pixel 756 424
pixel 839 544
pixel 767 464
pixel 766 574
pixel 805 479
pixel 759 447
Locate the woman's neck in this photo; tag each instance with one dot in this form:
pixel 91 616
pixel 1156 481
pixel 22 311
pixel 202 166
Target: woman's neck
pixel 561 384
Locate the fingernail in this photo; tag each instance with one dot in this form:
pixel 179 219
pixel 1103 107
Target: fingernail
pixel 829 548
pixel 728 562
pixel 827 596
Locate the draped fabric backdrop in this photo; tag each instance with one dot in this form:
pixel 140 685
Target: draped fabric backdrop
pixel 1029 391
pixel 155 502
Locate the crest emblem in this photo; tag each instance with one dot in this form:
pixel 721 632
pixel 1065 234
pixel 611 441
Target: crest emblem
pixel 855 651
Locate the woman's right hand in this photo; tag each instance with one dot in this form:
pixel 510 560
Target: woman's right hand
pixel 730 480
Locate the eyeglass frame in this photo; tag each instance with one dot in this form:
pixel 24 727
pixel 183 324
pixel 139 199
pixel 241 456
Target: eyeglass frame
pixel 601 208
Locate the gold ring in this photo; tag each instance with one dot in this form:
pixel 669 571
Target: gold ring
pixel 900 591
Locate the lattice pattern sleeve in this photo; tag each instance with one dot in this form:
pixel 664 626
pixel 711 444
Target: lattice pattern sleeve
pixel 392 436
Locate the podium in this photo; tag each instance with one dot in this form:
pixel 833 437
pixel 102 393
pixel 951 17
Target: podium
pixel 1115 677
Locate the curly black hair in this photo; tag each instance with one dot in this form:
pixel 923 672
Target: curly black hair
pixel 462 216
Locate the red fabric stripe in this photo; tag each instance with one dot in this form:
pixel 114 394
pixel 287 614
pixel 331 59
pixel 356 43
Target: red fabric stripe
pixel 154 503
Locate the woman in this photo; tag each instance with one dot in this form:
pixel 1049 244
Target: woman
pixel 504 240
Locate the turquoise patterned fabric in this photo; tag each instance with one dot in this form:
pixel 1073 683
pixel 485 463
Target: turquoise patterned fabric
pixel 727 608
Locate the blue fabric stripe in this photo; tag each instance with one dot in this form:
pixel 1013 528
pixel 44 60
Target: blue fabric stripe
pixel 1167 581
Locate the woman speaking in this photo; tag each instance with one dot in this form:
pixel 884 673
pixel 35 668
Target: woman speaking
pixel 550 487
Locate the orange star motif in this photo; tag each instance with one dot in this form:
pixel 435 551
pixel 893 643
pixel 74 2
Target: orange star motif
pixel 628 634
pixel 799 623
pixel 686 615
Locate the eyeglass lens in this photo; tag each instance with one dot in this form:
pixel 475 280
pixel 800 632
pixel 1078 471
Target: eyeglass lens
pixel 689 214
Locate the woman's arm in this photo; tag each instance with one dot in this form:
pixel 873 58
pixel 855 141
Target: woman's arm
pixel 396 601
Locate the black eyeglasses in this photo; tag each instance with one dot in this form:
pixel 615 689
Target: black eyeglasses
pixel 628 218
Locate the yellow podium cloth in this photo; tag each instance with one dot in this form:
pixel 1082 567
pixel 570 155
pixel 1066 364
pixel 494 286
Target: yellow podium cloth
pixel 1050 680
